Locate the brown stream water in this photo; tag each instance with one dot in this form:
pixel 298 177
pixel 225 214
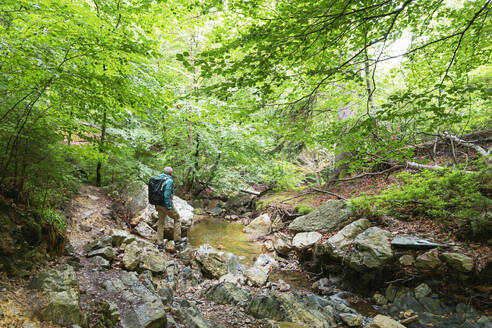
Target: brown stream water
pixel 229 237
pixel 223 235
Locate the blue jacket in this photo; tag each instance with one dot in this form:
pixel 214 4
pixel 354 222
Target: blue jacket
pixel 168 190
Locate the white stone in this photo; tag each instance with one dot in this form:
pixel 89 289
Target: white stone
pixel 305 239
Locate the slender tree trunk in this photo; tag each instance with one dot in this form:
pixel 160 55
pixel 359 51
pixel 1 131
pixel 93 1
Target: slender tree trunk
pixel 316 168
pixel 343 113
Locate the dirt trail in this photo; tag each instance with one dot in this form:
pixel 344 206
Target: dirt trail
pixel 91 217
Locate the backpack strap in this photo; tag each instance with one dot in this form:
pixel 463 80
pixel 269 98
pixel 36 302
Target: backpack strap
pixel 163 181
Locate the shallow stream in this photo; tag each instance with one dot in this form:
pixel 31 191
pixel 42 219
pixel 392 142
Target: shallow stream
pixel 229 237
pixel 225 236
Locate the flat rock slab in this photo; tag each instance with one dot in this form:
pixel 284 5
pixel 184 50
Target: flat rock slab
pixel 414 242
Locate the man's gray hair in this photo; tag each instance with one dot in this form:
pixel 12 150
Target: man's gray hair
pixel 168 170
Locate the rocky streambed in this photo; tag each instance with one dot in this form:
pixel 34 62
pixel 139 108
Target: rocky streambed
pixel 230 275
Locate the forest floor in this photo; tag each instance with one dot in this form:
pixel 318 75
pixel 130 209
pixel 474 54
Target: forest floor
pixel 290 201
pixel 91 217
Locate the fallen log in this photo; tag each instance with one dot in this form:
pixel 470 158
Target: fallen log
pixel 329 193
pixel 252 192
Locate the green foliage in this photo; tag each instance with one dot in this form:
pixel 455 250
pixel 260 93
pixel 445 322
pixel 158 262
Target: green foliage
pixel 302 209
pixel 451 197
pixel 284 175
pixel 52 218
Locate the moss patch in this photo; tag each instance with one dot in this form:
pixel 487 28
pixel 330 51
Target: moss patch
pixel 293 198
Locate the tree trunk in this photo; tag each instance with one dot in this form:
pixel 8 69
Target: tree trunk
pixel 339 168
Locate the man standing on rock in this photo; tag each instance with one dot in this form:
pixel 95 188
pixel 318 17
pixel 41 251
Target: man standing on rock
pixel 168 209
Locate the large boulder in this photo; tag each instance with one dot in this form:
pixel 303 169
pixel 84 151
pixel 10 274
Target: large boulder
pixel 141 257
pixel 304 240
pixel 371 250
pixel 136 197
pixel 62 287
pixel 227 293
pixel 143 307
pixel 242 200
pixel 459 262
pixel 262 225
pixel 286 307
pixel 214 263
pixel 331 216
pixel 338 245
pixel 282 243
pixel 106 253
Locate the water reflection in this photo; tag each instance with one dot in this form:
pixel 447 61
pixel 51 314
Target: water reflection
pixel 223 235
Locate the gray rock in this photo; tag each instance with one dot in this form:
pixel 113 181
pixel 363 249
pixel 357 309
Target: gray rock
pixel 107 314
pixel 144 230
pixel 100 262
pixel 394 291
pixel 257 276
pixel 106 252
pixel 214 263
pixel 282 243
pixel 283 324
pixel 428 261
pixel 266 262
pixel 147 257
pixel 380 299
pixel 136 197
pixel 166 295
pixel 186 213
pixel 351 319
pixel 330 216
pixel 422 290
pixel 241 200
pixel 371 250
pixel 407 260
pixel 484 322
pixel 189 316
pixel 381 321
pixel 170 246
pixel 337 245
pixel 99 243
pixel 146 308
pixel 304 240
pixel 459 262
pixel 29 325
pixel 119 236
pixel 146 279
pixel 231 278
pixel 285 307
pixel 262 225
pixel 413 242
pixel 227 293
pixel 62 288
pixel 215 211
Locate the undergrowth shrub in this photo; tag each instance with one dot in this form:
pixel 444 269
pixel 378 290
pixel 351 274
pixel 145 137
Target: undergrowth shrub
pixel 453 198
